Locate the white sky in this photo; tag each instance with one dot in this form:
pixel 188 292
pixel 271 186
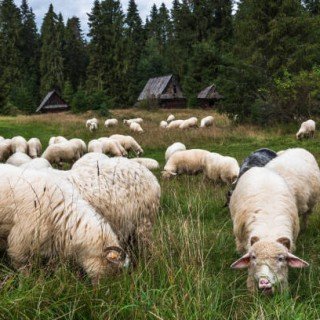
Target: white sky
pixel 80 8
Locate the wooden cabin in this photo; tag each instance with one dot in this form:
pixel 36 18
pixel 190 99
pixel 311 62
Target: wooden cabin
pixel 208 97
pixel 165 90
pixel 53 103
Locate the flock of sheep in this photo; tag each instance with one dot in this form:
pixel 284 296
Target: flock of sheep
pixel 101 212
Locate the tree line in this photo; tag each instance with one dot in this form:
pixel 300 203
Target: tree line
pixel 263 55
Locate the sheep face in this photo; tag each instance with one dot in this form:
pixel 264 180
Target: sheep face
pixel 267 263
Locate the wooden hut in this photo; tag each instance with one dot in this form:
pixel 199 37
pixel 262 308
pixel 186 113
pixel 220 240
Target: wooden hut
pixel 164 91
pixel 208 97
pixel 53 103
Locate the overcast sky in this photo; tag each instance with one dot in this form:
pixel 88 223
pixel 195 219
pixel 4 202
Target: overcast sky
pixel 80 8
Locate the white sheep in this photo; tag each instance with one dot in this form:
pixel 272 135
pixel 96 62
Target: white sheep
pixel 93 127
pixel 90 121
pixel 163 124
pixel 34 148
pixel 135 127
pixel 1 138
pixel 95 146
pixel 58 139
pixel 175 147
pixel 170 118
pixel 150 164
pixel 207 122
pixel 175 124
pixel 301 172
pixel 111 123
pixel 266 226
pixel 189 123
pixel 80 145
pixel 18 158
pixel 5 150
pixel 36 164
pixel 307 129
pixel 128 143
pixel 218 167
pixel 19 144
pixel 88 159
pixel 112 147
pixel 42 215
pixel 189 161
pixel 136 120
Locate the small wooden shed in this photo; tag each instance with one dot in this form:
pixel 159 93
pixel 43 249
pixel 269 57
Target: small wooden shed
pixel 208 97
pixel 166 90
pixel 53 103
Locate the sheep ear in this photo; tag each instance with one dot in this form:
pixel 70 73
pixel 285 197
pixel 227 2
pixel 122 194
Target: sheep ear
pixel 253 240
pixel 242 263
pixel 115 254
pixel 285 241
pixel 295 262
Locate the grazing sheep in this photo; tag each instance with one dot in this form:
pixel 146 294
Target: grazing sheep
pixel 218 167
pixel 80 145
pixel 307 129
pixel 42 215
pixel 175 124
pixel 300 170
pixel 136 120
pixel 112 147
pixel 111 123
pixel 90 121
pixel 34 148
pixel 128 143
pixel 135 127
pixel 19 144
pixel 170 118
pixel 36 164
pixel 207 122
pixel 266 226
pixel 18 159
pixel 163 124
pixel 62 152
pixel 88 159
pixel 55 140
pixel 189 123
pixel 95 146
pixel 93 127
pixel 150 164
pixel 5 150
pixel 175 147
pixel 189 161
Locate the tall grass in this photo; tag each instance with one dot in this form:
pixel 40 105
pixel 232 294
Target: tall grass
pixel 188 274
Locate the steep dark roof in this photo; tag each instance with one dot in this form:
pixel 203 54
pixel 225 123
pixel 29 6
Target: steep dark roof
pixel 155 87
pixel 47 103
pixel 209 93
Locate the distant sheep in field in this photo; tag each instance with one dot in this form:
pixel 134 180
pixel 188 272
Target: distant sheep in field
pixel 92 124
pixel 170 118
pixel 111 123
pixel 34 148
pixel 135 127
pixel 80 145
pixel 207 122
pixel 150 164
pixel 189 123
pixel 175 124
pixel 5 150
pixel 58 139
pixel 42 215
pixel 19 144
pixel 36 164
pixel 266 226
pixel 112 147
pixel 18 159
pixel 306 130
pixel 95 146
pixel 163 124
pixel 128 143
pixel 135 120
pixel 175 147
pixel 1 138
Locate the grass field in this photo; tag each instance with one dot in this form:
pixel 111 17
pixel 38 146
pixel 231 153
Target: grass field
pixel 188 275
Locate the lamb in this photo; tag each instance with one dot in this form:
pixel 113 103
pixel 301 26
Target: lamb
pixel 112 147
pixel 18 158
pixel 88 159
pixel 19 144
pixel 300 170
pixel 266 226
pixel 36 164
pixel 62 152
pixel 207 122
pixel 307 129
pixel 150 164
pixel 175 147
pixel 136 120
pixel 34 148
pixel 163 124
pixel 170 118
pixel 5 150
pixel 95 146
pixel 80 145
pixel 128 143
pixel 111 123
pixel 135 127
pixel 189 123
pixel 58 139
pixel 42 215
pixel 190 161
pixel 175 124
pixel 218 167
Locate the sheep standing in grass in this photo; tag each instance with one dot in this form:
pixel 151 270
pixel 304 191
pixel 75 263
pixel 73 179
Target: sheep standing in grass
pixel 44 216
pixel 189 123
pixel 5 150
pixel 135 127
pixel 163 124
pixel 89 159
pixel 111 123
pixel 207 122
pixel 19 144
pixel 80 145
pixel 112 147
pixel 175 124
pixel 135 120
pixel 58 139
pixel 170 118
pixel 218 167
pixel 266 226
pixel 306 130
pixel 190 162
pixel 34 148
pixel 95 146
pixel 18 159
pixel 175 147
pixel 128 143
pixel 36 164
pixel 150 164
pixel 300 170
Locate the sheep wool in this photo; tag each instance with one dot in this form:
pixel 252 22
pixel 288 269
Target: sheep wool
pixel 175 147
pixel 34 148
